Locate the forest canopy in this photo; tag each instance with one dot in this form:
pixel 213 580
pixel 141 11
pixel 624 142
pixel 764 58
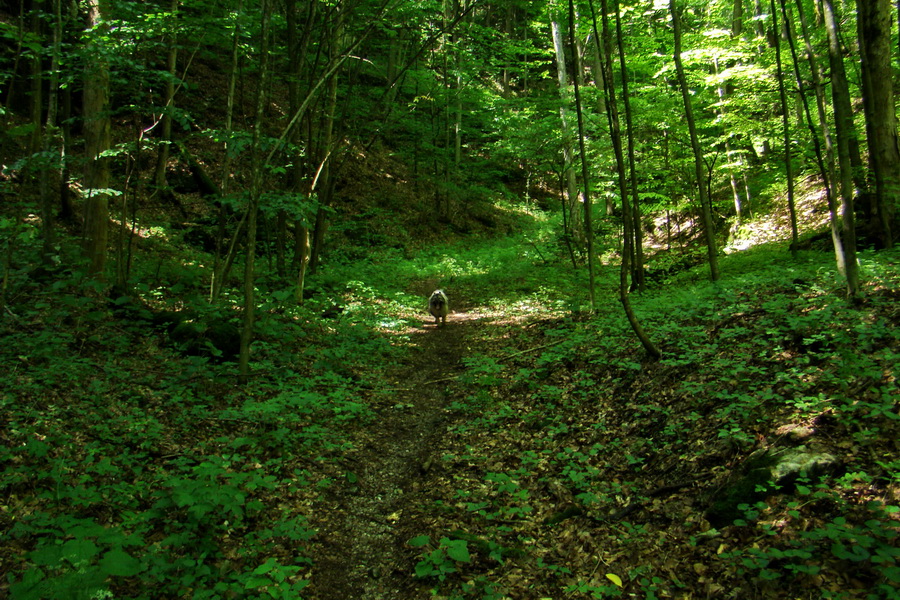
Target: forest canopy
pixel 268 106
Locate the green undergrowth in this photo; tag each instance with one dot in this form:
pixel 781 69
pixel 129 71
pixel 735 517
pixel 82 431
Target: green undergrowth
pixel 134 466
pixel 494 272
pixel 582 468
pixel 130 467
pixel 133 461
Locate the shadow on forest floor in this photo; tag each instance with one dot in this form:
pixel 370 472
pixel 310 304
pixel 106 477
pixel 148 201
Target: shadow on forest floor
pixel 364 526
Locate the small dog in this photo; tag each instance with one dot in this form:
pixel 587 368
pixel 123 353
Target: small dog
pixel 439 307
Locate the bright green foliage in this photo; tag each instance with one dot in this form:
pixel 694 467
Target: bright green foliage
pixel 775 343
pixel 442 559
pixel 161 474
pixel 131 460
pixel 872 542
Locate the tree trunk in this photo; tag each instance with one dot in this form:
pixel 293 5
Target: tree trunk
pixel 705 208
pixel 597 55
pixel 735 160
pixel 568 159
pixel 588 218
pixel 255 193
pixel 37 91
pixel 637 266
pixel 297 45
pixel 455 91
pixel 323 180
pixel 759 21
pixel 732 176
pixel 737 19
pixel 229 99
pixel 220 267
pixel 874 31
pixel 47 137
pixel 786 130
pixel 616 138
pixel 165 136
pixel 55 137
pixel 66 210
pixel 97 139
pixel 825 163
pixel 843 126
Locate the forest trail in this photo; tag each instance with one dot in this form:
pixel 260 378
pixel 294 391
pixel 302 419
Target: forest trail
pixel 361 550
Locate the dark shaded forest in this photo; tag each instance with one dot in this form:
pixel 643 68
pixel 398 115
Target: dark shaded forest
pixel 664 231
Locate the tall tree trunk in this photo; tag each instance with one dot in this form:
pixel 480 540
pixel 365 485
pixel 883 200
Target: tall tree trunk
pixel 737 19
pixel 627 215
pixel 97 139
pixel 819 88
pixel 568 154
pixel 874 32
pixel 37 90
pixel 66 210
pixel 323 179
pixel 165 135
pixel 21 31
pixel 229 99
pixel 222 267
pixel 588 217
pixel 732 176
pixel 598 59
pixel 297 45
pixel 49 139
pixel 705 208
pixel 825 163
pixel 734 160
pixel 255 193
pixel 456 91
pixel 843 126
pixel 637 266
pixel 786 130
pixel 759 22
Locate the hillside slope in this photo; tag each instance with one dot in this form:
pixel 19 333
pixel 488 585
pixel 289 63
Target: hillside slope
pixel 524 450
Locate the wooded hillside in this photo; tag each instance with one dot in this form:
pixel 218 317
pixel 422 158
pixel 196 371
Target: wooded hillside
pixel 665 228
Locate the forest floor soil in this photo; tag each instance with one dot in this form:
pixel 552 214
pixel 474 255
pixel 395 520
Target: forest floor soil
pixel 361 551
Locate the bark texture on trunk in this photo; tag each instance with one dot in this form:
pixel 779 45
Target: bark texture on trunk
pixel 874 31
pixel 97 139
pixel 705 211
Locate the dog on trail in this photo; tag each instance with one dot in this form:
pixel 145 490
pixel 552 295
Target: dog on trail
pixel 439 307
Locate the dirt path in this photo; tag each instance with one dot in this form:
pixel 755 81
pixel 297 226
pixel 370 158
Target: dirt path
pixel 364 527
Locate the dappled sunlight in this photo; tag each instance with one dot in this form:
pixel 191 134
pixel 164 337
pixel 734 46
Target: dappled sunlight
pixel 307 428
pixel 422 323
pixel 774 225
pixel 492 313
